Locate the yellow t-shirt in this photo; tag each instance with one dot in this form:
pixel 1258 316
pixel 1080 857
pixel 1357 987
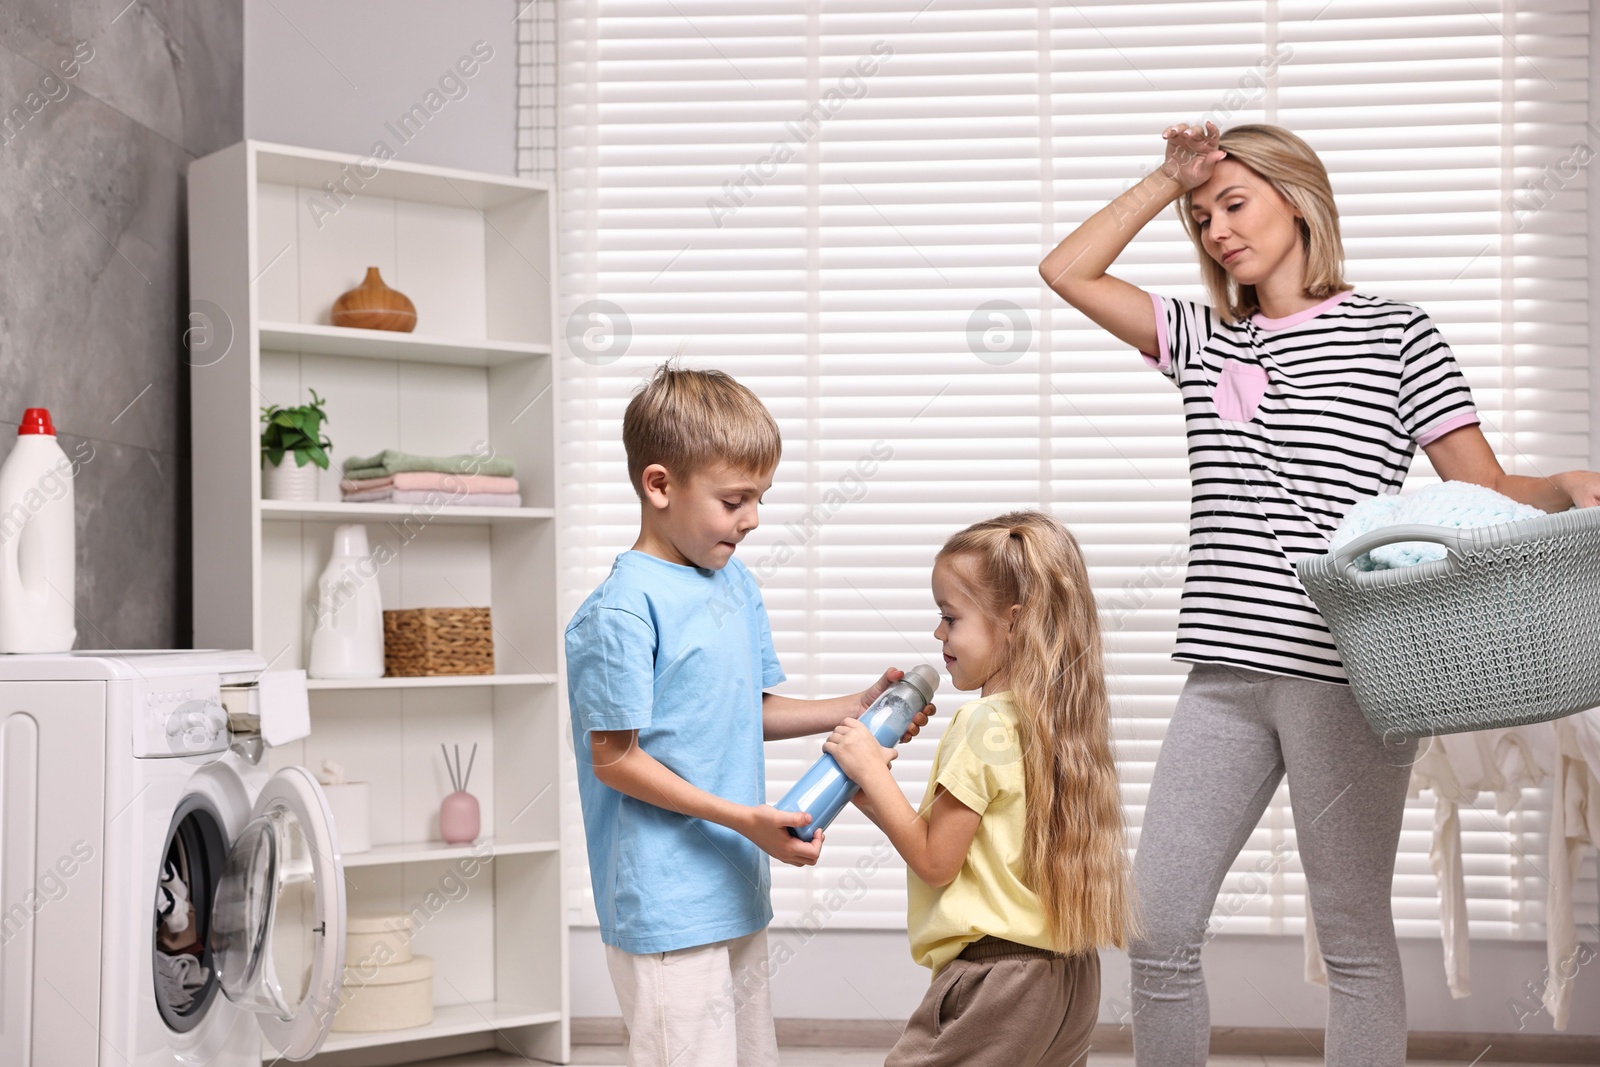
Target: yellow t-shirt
pixel 979 763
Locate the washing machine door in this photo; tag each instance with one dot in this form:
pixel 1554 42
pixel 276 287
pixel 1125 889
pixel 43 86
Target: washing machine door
pixel 277 927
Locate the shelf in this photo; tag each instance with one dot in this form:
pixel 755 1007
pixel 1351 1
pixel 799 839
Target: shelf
pixel 449 681
pixel 426 851
pixel 388 344
pixel 454 514
pixel 422 182
pixel 448 1021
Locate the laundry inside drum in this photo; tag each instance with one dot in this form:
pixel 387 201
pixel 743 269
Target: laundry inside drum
pixel 186 885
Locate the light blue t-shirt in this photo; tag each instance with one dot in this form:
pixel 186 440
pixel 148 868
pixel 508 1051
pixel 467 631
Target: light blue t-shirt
pixel 681 655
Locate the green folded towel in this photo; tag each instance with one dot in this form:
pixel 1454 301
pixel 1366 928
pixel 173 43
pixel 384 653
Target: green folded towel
pixel 392 461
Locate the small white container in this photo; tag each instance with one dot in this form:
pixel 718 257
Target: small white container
pixel 396 997
pixel 287 481
pixel 376 940
pixel 351 819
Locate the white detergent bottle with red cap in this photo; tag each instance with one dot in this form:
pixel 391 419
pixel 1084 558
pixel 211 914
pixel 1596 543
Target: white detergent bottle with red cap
pixel 37 541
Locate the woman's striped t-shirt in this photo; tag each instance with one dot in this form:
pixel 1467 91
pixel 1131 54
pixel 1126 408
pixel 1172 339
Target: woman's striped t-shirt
pixel 1290 422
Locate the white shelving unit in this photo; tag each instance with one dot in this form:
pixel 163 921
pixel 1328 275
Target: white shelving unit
pixel 270 248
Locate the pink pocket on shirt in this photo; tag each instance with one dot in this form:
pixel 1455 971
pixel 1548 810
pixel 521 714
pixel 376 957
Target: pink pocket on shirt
pixel 1239 390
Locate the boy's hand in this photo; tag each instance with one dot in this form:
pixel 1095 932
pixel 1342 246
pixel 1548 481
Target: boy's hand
pixel 875 690
pixel 857 751
pixel 769 829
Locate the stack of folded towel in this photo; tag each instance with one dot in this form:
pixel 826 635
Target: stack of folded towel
pixel 395 477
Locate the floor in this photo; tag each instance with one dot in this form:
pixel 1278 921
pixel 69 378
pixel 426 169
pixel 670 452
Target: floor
pixel 615 1056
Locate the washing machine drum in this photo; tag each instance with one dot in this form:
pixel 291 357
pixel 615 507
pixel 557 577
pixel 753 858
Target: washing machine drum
pixel 277 917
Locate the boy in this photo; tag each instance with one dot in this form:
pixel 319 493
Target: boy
pixel 666 666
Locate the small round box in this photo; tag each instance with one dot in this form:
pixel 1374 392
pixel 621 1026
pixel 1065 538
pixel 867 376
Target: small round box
pixel 377 940
pixel 397 996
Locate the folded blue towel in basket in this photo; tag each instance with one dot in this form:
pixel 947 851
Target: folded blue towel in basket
pixel 1454 504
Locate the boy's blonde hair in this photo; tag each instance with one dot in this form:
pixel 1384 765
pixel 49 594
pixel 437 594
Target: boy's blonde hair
pixel 688 420
pixel 1074 849
pixel 1285 162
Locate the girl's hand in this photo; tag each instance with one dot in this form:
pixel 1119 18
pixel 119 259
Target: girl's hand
pixel 1582 486
pixel 1191 154
pixel 858 753
pixel 875 690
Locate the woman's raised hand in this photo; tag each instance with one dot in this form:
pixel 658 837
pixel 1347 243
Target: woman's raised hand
pixel 1191 153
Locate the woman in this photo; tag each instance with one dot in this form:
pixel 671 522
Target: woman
pixel 1300 397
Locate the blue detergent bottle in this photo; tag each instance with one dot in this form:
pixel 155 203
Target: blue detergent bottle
pixel 823 791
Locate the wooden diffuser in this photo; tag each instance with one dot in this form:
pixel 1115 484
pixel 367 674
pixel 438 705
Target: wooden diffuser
pixel 372 305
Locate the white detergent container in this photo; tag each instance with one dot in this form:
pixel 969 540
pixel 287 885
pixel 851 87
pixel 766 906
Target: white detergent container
pixel 37 542
pixel 348 639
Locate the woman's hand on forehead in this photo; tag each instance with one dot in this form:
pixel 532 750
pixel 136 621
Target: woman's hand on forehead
pixel 1191 153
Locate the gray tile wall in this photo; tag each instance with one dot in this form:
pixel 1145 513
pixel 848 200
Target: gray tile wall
pixel 103 103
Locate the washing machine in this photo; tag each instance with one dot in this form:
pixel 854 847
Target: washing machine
pixel 164 898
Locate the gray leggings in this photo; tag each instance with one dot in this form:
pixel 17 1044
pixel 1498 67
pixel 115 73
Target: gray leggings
pixel 1232 736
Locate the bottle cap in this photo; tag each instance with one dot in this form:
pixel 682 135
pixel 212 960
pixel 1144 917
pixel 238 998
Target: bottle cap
pixel 36 420
pixel 350 540
pixel 925 678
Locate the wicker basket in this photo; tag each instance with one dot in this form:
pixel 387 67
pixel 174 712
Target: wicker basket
pixel 1505 630
pixel 430 641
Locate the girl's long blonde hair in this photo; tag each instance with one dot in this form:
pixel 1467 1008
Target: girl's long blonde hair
pixel 1284 161
pixel 1075 858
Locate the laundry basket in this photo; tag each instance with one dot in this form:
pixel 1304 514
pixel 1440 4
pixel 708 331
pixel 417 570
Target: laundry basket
pixel 1505 630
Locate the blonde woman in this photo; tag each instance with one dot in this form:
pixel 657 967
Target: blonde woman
pixel 1301 396
pixel 1017 871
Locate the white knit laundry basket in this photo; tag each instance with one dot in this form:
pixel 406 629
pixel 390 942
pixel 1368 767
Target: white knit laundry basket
pixel 1505 630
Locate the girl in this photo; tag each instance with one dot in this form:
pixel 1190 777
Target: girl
pixel 1300 397
pixel 1009 900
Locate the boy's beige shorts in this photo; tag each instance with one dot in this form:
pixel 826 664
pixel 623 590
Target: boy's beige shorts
pixel 1000 1004
pixel 707 1006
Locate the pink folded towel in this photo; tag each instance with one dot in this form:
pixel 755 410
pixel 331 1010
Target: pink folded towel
pixel 434 498
pixel 449 483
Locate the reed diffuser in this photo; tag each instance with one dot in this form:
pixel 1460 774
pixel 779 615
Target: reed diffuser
pixel 458 813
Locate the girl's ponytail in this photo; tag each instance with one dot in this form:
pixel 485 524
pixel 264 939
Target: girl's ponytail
pixel 1075 858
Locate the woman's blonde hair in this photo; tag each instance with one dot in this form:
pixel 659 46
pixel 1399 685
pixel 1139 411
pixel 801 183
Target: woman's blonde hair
pixel 1290 166
pixel 1075 856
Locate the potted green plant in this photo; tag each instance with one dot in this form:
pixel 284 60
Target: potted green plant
pixel 295 431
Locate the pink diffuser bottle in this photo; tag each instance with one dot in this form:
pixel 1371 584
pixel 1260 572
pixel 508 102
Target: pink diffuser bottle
pixel 458 813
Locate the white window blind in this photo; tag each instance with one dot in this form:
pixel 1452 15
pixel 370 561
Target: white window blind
pixel 845 205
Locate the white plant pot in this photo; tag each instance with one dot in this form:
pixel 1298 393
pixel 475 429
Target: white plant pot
pixel 287 481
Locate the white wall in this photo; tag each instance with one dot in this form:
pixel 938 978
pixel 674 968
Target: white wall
pixel 336 75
